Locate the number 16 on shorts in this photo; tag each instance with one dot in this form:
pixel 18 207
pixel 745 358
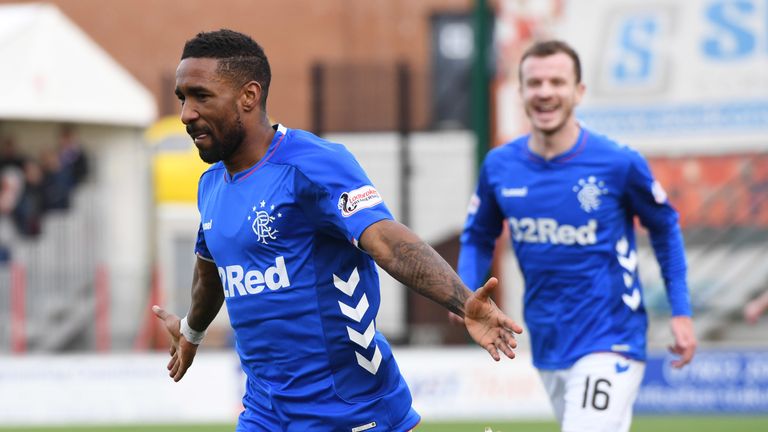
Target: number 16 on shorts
pixel 596 393
pixel 609 387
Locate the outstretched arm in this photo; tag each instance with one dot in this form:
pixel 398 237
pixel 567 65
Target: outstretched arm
pixel 207 298
pixel 414 263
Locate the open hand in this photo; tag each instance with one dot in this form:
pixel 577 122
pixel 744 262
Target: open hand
pixel 488 325
pixel 182 351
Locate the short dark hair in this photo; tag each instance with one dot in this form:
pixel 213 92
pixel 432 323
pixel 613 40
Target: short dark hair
pixel 548 48
pixel 241 59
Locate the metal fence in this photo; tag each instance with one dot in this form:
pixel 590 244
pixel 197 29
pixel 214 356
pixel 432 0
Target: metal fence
pixel 52 293
pixel 369 97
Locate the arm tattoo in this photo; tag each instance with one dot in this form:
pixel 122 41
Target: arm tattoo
pixel 416 264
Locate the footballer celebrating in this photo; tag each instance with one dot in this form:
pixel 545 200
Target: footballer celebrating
pixel 290 233
pixel 570 197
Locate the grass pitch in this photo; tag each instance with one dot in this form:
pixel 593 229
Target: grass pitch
pixel 641 424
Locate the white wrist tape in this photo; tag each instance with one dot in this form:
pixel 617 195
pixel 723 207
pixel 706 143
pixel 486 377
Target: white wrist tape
pixel 190 334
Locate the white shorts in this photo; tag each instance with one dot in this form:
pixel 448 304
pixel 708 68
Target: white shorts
pixel 596 394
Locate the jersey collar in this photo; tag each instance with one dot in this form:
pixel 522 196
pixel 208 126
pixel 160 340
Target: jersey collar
pixel 280 133
pixel 571 153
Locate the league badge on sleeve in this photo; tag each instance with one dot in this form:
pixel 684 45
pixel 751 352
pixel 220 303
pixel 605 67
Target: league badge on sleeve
pixel 355 200
pixel 474 204
pixel 659 194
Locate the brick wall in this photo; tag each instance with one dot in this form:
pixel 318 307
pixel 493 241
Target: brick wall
pixel 147 36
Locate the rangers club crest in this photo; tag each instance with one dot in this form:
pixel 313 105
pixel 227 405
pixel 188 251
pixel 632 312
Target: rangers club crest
pixel 261 222
pixel 588 193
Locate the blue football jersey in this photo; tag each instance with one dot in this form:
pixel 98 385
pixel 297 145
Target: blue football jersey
pixel 302 297
pixel 571 223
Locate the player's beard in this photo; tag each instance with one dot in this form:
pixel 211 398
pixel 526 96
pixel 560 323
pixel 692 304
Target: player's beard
pixel 552 130
pixel 224 148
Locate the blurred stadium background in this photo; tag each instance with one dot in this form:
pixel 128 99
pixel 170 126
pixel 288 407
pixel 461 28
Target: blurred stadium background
pixel 418 90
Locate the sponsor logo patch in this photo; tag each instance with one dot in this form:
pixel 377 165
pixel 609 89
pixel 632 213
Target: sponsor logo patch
pixel 241 281
pixel 548 230
pixel 355 200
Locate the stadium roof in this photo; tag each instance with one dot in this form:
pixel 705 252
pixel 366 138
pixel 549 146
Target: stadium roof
pixel 52 71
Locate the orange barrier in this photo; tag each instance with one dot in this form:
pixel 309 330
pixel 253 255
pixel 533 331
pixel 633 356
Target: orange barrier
pixel 18 308
pixel 101 292
pixel 152 335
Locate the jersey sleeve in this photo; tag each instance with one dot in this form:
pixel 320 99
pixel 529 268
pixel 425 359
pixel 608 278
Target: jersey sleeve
pixel 648 200
pixel 201 248
pixel 478 238
pixel 337 195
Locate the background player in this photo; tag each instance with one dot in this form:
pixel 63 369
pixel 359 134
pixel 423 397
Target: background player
pixel 570 197
pixel 291 229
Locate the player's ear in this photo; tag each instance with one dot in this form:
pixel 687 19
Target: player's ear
pixel 580 89
pixel 250 96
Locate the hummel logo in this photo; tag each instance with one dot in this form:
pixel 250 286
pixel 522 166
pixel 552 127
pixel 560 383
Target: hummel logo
pixel 371 365
pixel 621 368
pixel 207 225
pixel 349 286
pixel 633 300
pixel 355 313
pixel 514 192
pixel 362 339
